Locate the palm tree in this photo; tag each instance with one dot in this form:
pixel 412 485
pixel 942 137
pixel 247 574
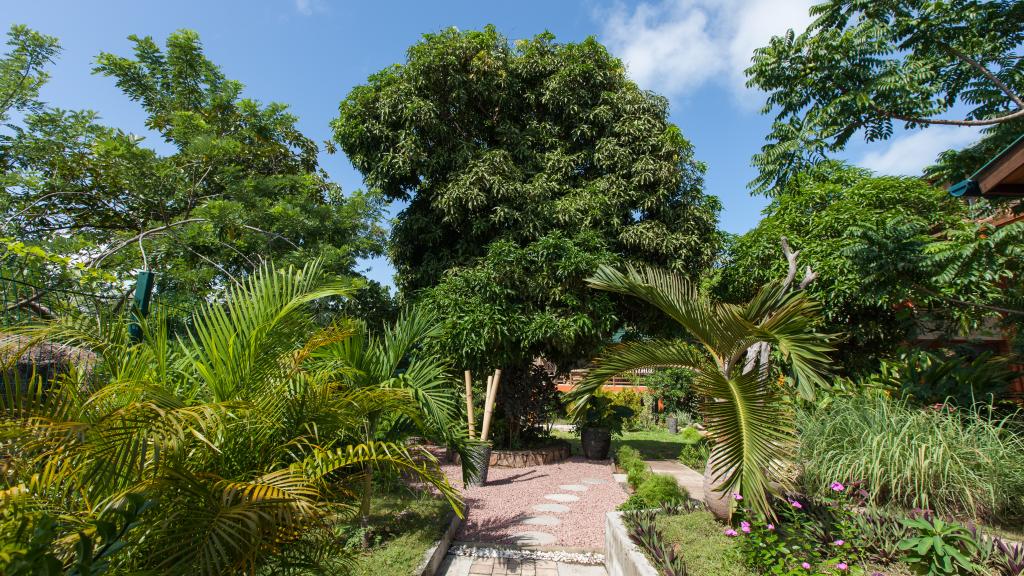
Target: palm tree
pixel 396 360
pixel 241 440
pixel 745 412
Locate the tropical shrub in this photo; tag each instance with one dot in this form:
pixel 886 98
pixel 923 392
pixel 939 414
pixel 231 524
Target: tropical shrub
pixel 601 411
pixel 956 462
pixel 244 440
pixel 635 402
pixel 927 378
pixel 939 548
pixel 673 386
pixel 527 400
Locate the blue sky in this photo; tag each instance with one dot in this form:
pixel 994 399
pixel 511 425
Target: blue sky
pixel 310 53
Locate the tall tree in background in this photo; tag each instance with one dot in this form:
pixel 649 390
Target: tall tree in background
pixel 240 183
pixel 524 167
pixel 864 65
pixel 824 218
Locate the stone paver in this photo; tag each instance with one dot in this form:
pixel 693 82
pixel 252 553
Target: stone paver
pixel 558 508
pixel 562 497
pixel 690 479
pixel 467 566
pixel 542 521
pixel 573 487
pixel 533 538
pixel 594 481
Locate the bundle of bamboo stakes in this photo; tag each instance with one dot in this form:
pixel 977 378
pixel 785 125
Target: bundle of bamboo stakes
pixel 490 395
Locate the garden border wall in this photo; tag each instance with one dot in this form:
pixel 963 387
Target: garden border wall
pixel 550 454
pixel 622 557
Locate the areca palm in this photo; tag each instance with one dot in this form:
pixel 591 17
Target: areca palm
pixel 395 360
pixel 243 441
pixel 745 413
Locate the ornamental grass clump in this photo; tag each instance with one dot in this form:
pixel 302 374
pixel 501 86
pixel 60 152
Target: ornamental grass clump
pixel 959 463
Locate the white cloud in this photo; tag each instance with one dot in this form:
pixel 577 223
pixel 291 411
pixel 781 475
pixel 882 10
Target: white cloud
pixel 676 46
pixel 910 154
pixel 309 7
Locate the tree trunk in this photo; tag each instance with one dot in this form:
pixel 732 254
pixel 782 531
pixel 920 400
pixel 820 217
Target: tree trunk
pixel 364 505
pixel 719 504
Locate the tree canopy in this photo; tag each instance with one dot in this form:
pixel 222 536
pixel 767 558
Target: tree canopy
pixel 525 166
pixel 239 184
pixel 864 65
pixel 824 218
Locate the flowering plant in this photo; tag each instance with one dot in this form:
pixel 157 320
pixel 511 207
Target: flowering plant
pixel 810 537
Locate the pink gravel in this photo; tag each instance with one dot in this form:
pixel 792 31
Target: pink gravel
pixel 496 511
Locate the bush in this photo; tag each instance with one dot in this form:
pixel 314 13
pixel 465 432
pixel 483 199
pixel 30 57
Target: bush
pixel 695 451
pixel 634 401
pixel 695 456
pixel 691 435
pixel 958 463
pixel 655 491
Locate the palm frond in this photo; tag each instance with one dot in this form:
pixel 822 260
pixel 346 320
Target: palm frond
pixel 326 462
pixel 752 431
pixel 674 295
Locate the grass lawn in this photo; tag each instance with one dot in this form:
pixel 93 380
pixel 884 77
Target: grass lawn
pixel 706 550
pixel 653 445
pixel 403 527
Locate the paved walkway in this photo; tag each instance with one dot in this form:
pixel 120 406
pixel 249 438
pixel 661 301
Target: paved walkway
pixel 469 566
pixel 690 479
pixel 557 506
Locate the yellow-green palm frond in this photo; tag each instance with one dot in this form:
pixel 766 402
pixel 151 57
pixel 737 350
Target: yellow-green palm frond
pixel 418 461
pixel 237 346
pixel 213 526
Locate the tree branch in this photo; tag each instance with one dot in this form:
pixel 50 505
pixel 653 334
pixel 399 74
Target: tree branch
pixel 138 237
pixel 987 73
pixel 940 121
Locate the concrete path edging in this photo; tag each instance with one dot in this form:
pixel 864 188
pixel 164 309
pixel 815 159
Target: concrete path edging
pixel 433 557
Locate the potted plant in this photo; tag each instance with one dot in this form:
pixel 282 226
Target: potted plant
pixel 596 422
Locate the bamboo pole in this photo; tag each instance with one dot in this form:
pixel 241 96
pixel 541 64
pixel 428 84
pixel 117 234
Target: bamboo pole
pixel 470 420
pixel 492 393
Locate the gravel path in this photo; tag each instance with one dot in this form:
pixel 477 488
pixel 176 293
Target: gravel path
pixel 500 511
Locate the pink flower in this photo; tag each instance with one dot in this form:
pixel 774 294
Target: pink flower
pixel 839 542
pixel 837 487
pixel 842 566
pixel 805 565
pixel 730 532
pixel 771 527
pixel 736 496
pixel 745 526
pixel 796 504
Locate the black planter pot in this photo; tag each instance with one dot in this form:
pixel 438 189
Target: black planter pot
pixel 673 424
pixel 596 443
pixel 483 454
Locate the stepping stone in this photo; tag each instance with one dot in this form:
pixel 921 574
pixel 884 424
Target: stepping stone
pixel 573 487
pixel 550 508
pixel 542 521
pixel 594 481
pixel 533 539
pixel 562 497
